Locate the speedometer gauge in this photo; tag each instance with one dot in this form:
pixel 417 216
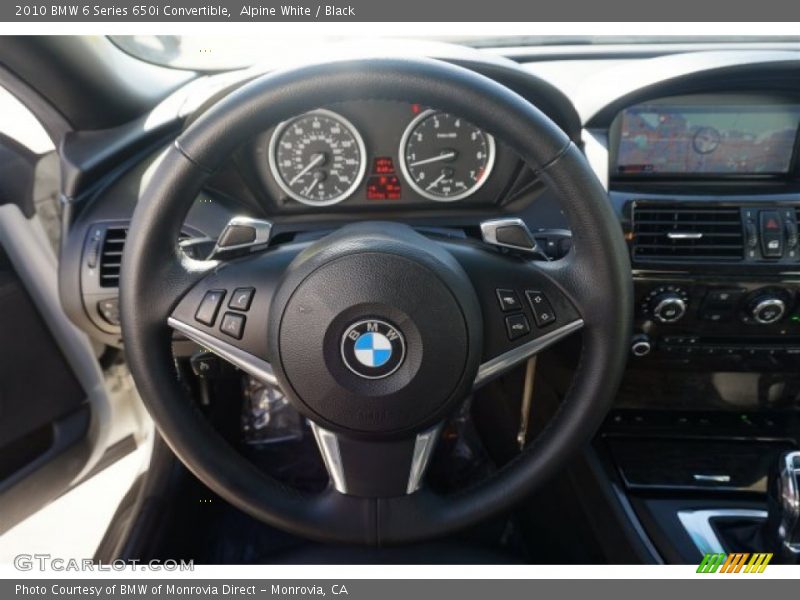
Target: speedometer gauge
pixel 445 158
pixel 317 158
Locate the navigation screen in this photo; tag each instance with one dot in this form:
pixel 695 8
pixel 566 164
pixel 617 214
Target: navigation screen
pixel 659 139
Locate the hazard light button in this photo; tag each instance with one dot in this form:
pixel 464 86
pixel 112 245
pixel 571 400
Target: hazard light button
pixel 771 233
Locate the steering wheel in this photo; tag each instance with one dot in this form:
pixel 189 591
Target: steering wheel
pixel 429 304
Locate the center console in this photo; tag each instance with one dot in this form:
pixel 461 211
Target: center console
pixel 716 279
pixel 707 190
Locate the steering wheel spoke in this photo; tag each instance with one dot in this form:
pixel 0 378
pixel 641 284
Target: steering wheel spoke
pixel 527 304
pixel 376 469
pixel 227 311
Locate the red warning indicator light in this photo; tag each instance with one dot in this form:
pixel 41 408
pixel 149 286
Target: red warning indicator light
pixel 416 109
pixel 383 187
pixel 383 165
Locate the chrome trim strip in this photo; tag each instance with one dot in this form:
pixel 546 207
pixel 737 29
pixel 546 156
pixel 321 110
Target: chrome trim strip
pixel 684 235
pixel 697 524
pixel 595 149
pixel 423 450
pixel 328 445
pixel 249 363
pixel 500 364
pixel 789 490
pixel 263 234
pixel 712 478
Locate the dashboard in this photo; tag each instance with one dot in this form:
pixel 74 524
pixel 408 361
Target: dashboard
pixel 702 170
pixel 376 154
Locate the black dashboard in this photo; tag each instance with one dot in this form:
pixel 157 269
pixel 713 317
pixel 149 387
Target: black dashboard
pixel 353 161
pixel 701 169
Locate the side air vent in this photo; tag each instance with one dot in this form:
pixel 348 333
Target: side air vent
pixel 111 256
pixel 687 232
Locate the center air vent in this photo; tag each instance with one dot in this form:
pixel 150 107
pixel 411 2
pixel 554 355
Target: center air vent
pixel 698 232
pixel 111 256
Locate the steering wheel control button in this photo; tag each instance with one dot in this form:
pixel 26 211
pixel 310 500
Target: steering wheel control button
pixel 209 306
pixel 373 349
pixel 517 326
pixel 241 298
pixel 233 325
pixel 542 310
pixel 509 300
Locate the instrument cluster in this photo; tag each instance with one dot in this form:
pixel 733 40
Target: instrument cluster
pixel 380 153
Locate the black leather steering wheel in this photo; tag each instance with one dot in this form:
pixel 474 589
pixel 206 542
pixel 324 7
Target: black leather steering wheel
pixel 433 298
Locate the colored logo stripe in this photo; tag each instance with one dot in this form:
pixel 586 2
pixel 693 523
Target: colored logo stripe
pixel 735 562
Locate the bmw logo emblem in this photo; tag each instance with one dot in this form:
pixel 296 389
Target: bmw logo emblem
pixel 373 349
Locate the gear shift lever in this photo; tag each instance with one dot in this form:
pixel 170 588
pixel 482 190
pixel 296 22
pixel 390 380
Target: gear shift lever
pixel 782 529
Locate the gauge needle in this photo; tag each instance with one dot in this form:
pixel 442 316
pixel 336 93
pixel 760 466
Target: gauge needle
pixel 311 186
pixel 318 158
pixel 426 161
pixel 437 180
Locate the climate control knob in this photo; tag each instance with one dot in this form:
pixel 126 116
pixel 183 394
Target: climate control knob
pixel 668 307
pixel 767 309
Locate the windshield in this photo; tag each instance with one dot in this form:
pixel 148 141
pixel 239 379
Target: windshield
pixel 204 53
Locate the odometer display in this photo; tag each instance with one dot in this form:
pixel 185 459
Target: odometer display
pixel 445 158
pixel 318 158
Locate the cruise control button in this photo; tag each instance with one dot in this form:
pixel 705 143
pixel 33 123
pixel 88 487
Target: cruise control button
pixel 542 310
pixel 517 326
pixel 209 306
pixel 508 300
pixel 241 298
pixel 232 325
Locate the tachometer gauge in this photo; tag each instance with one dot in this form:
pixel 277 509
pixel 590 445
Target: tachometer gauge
pixel 317 158
pixel 445 158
